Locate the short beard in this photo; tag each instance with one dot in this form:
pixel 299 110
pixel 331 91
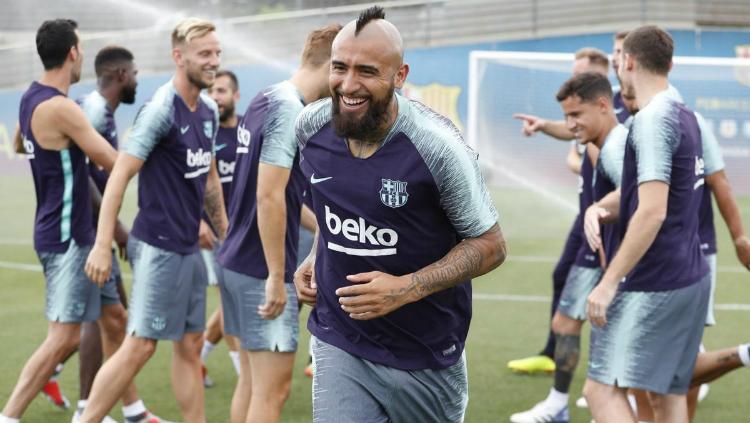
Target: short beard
pixel 195 79
pixel 128 95
pixel 227 113
pixel 368 128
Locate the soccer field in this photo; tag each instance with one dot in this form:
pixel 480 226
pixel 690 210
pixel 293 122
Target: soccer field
pixel 511 313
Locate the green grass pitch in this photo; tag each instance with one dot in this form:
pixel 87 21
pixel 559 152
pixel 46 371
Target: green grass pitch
pixel 501 330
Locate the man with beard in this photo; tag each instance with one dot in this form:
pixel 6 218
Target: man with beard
pixel 171 147
pixel 650 306
pixel 116 83
pixel 225 92
pixel 260 252
pixel 405 221
pixel 57 137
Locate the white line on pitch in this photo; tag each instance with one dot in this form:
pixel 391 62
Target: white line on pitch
pixel 476 295
pixel 543 299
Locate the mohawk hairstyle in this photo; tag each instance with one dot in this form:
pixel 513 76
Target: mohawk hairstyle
pixel 371 13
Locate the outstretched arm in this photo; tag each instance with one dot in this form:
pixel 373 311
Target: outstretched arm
pixel 554 128
pixel 376 294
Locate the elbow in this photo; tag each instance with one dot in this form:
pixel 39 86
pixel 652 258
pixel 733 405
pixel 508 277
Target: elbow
pixel 501 253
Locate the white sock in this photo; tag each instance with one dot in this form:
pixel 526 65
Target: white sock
pixel 207 348
pixel 557 398
pixel 235 356
pixel 744 352
pixel 135 409
pixel 4 419
pixel 82 404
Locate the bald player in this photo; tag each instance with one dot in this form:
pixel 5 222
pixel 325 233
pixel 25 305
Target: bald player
pixel 405 221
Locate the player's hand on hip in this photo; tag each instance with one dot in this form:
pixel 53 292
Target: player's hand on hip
pixel 275 298
pixel 206 236
pixel 531 124
pixel 374 294
pixel 304 282
pixel 598 302
pixel 742 247
pixel 592 225
pixel 98 265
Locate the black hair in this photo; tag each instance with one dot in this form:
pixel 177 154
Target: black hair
pixel 111 55
pixel 588 86
pixel 369 14
pixel 232 77
pixel 54 40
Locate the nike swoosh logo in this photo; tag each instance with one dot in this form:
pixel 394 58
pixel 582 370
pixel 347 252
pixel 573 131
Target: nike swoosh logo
pixel 314 180
pixel 219 147
pixel 618 110
pixel 184 129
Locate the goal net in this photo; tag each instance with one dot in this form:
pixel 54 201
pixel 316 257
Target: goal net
pixel 503 83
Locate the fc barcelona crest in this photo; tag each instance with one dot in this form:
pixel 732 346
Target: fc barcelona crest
pixel 208 128
pixel 393 193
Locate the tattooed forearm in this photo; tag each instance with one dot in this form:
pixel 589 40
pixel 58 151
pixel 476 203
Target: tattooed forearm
pixel 470 258
pixel 213 202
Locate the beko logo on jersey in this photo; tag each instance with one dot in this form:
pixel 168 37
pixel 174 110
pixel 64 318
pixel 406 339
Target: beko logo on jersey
pixel 195 159
pixel 198 158
pixel 243 139
pixel 28 147
pixel 225 168
pixel 360 231
pixel 700 170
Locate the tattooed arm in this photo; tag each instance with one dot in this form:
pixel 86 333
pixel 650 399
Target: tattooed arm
pixel 213 202
pixel 375 294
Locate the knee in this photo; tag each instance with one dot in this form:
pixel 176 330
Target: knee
pixel 563 325
pixel 656 400
pixel 115 318
pixel 140 349
pixel 590 391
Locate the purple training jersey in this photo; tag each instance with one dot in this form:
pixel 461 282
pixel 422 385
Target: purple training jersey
pixel 621 111
pixel 226 152
pixel 102 118
pixel 63 209
pixel 713 163
pixel 399 210
pixel 664 144
pixel 176 145
pixel 585 257
pixel 265 135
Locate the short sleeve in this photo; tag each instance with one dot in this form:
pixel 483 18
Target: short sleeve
pixel 656 137
pixel 279 137
pixel 454 167
pixel 151 124
pixel 612 156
